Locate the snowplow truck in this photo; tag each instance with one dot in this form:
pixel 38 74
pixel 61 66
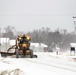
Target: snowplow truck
pixel 23 46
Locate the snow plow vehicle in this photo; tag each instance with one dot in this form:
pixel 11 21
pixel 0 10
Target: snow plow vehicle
pixel 22 47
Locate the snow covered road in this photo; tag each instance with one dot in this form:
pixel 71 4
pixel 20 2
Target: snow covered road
pixel 45 64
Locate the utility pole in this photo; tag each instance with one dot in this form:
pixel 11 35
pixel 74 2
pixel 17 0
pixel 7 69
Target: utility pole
pixel 74 20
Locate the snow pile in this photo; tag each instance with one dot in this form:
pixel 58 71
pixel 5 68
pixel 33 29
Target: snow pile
pixel 12 72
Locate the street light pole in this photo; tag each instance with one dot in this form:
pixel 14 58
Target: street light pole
pixel 0 39
pixel 74 18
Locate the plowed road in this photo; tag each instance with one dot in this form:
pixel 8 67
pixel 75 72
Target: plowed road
pixel 45 64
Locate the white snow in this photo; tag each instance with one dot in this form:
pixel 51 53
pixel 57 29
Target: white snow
pixel 12 42
pixel 45 64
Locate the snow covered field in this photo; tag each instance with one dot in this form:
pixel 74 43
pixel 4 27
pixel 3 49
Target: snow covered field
pixel 45 64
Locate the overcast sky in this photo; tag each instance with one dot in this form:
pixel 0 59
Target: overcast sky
pixel 27 15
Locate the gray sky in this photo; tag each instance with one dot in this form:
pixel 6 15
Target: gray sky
pixel 27 15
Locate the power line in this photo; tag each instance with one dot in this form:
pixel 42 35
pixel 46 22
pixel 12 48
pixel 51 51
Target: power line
pixel 39 15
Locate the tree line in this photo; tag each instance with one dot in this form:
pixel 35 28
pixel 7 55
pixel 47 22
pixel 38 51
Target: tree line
pixel 44 35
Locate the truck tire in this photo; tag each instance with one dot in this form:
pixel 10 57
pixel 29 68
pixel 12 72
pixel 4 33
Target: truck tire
pixel 17 53
pixel 31 53
pixel 4 55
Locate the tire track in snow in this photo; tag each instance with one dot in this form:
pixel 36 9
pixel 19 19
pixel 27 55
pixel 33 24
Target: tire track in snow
pixel 46 64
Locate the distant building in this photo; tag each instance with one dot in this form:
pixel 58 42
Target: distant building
pixel 39 47
pixel 73 45
pixel 4 40
pixel 4 44
pixel 73 48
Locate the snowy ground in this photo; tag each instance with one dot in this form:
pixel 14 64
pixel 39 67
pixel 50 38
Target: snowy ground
pixel 45 64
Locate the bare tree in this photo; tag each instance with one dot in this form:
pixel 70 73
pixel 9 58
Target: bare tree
pixel 9 32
